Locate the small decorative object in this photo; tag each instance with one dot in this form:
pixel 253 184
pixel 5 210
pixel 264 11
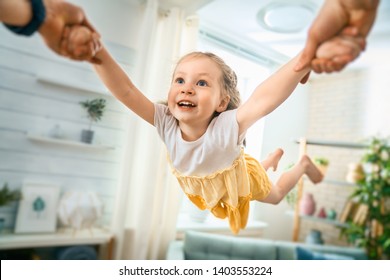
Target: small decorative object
pixel 95 109
pixel 322 213
pixel 355 173
pixel 36 212
pixel 331 214
pixel 79 209
pixel 307 204
pixel 322 164
pixel 314 237
pixel 56 132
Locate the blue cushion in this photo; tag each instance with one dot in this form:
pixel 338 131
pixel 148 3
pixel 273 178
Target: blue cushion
pixel 304 254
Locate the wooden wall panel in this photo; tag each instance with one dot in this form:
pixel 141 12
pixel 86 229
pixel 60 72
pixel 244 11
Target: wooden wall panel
pixel 39 90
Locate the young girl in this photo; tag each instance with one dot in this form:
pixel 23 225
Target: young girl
pixel 203 127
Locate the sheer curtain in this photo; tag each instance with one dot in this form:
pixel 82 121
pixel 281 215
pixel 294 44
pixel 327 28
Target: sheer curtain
pixel 153 201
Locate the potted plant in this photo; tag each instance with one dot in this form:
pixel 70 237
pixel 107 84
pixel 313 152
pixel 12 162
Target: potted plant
pixel 372 193
pixel 95 109
pixel 6 197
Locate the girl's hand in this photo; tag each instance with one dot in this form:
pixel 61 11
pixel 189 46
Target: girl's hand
pixel 333 55
pixel 79 43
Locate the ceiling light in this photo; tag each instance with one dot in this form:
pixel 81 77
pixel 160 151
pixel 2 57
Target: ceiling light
pixel 286 17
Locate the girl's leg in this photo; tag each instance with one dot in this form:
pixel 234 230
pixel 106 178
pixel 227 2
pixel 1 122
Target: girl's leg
pixel 291 177
pixel 272 160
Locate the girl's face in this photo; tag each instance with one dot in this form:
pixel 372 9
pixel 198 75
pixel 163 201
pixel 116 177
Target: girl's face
pixel 195 93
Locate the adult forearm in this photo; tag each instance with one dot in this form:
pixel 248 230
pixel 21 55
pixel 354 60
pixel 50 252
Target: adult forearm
pixel 360 4
pixel 15 12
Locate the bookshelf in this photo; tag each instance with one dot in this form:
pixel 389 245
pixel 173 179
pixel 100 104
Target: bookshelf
pixel 303 143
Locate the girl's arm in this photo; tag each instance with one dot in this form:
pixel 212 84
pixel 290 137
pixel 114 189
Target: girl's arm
pixel 120 85
pixel 270 94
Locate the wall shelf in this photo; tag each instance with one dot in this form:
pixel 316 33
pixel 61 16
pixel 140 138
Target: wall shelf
pixel 319 220
pixel 63 237
pixel 334 182
pixel 329 143
pixel 70 84
pixel 303 143
pixel 66 142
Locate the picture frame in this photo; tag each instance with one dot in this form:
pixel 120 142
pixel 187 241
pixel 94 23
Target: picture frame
pixel 37 212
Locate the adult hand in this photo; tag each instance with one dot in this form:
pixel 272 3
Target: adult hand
pixel 349 17
pixel 60 14
pixel 335 53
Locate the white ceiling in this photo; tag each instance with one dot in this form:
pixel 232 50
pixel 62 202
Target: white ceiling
pixel 237 18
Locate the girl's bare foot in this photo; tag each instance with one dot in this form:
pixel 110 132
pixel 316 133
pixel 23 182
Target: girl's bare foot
pixel 311 170
pixel 273 159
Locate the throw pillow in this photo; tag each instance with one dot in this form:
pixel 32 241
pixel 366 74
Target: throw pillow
pixel 304 254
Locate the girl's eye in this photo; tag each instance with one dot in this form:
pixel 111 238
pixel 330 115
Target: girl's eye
pixel 202 83
pixel 180 81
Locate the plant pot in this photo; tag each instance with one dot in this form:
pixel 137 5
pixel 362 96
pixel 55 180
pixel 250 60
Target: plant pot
pixel 87 136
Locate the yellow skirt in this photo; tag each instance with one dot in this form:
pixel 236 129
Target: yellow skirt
pixel 227 193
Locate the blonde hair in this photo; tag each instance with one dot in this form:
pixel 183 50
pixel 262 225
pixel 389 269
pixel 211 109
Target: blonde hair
pixel 228 78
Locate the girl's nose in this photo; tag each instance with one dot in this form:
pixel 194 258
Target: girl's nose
pixel 187 91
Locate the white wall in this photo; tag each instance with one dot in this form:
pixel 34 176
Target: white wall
pixel 286 124
pixel 30 106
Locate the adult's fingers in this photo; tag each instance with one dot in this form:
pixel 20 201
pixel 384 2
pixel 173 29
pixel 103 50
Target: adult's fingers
pixel 307 54
pixel 305 79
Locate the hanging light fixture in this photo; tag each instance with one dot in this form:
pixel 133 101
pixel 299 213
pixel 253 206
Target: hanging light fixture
pixel 286 17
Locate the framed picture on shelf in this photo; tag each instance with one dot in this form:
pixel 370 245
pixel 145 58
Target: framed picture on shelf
pixel 37 210
pixel 348 211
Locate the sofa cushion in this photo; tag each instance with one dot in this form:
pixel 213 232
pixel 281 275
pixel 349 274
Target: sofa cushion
pixel 203 246
pixel 305 254
pixel 353 252
pixel 285 250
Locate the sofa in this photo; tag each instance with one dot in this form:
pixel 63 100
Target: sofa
pixel 208 246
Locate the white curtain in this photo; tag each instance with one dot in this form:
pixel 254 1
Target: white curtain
pixel 154 197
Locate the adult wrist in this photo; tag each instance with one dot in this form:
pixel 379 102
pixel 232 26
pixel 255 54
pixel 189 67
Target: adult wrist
pixel 38 17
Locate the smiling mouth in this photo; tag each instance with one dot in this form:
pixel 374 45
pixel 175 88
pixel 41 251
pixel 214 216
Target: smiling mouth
pixel 186 104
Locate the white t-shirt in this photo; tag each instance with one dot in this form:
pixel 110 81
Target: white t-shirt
pixel 213 151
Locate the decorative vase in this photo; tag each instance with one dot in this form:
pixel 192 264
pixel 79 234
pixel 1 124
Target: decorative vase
pixel 322 213
pixel 331 214
pixel 307 204
pixel 314 237
pixel 355 173
pixel 87 136
pixel 56 132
